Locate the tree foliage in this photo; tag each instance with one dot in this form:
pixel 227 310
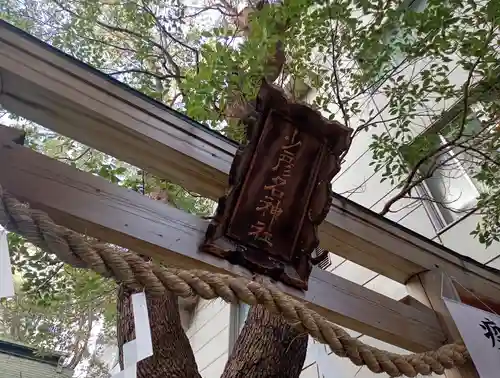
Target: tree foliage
pixel 56 307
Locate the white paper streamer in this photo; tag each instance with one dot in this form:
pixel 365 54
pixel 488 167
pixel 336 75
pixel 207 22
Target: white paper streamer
pixel 142 347
pixel 142 328
pixel 6 278
pixel 130 354
pixel 129 361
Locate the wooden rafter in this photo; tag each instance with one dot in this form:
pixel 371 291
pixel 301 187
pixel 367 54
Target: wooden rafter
pixel 95 207
pixel 48 87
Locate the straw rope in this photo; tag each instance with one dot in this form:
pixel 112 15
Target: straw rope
pixel 129 268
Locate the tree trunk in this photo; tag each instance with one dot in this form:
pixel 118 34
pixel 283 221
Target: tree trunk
pixel 267 347
pixel 172 354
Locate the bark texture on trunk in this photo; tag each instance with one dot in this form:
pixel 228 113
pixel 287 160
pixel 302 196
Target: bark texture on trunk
pixel 172 354
pixel 267 347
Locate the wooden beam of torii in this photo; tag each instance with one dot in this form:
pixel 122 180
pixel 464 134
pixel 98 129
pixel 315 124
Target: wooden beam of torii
pixel 65 95
pixel 95 207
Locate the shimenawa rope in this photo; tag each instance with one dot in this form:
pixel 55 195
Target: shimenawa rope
pixel 129 268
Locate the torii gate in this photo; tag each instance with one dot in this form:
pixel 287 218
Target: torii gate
pixel 67 96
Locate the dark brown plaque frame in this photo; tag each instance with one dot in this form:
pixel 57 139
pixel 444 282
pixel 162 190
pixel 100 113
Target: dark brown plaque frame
pixel 279 189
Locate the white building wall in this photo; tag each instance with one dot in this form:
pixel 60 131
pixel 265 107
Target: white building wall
pixel 209 337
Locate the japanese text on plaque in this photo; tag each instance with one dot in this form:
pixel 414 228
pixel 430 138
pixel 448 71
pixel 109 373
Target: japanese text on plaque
pixel 492 332
pixel 270 207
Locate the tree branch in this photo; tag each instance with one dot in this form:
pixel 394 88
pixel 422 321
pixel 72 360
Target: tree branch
pixel 76 158
pixel 409 183
pixel 148 73
pixel 481 153
pixel 444 204
pixel 333 37
pixel 52 275
pixel 408 186
pixel 82 336
pixel 165 32
pixel 130 33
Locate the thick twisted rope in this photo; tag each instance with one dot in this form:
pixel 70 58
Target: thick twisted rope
pixel 131 269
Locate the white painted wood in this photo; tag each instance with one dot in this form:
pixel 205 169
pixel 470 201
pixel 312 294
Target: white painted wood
pixel 215 369
pixel 354 272
pixel 418 220
pixel 206 311
pixel 335 262
pixel 377 237
pixel 70 96
pixel 344 368
pixel 382 345
pixel 209 336
pixel 209 330
pixel 310 372
pixel 429 288
pixel 310 357
pixel 400 265
pixel 212 351
pixel 237 317
pixel 495 263
pixel 388 287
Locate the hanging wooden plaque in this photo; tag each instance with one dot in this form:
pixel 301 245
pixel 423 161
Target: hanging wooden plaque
pixel 279 190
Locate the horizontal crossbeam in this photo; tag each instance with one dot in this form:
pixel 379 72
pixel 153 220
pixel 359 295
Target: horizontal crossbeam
pixel 54 90
pixel 93 206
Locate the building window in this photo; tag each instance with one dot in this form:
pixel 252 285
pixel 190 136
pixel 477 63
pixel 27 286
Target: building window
pixel 300 89
pixel 243 309
pixel 399 36
pixel 452 188
pixel 390 50
pixel 238 316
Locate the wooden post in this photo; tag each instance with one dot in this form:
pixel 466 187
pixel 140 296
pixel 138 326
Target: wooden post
pixel 429 289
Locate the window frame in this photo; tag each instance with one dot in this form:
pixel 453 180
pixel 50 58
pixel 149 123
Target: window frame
pixel 396 57
pixel 477 94
pixel 291 84
pixel 238 314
